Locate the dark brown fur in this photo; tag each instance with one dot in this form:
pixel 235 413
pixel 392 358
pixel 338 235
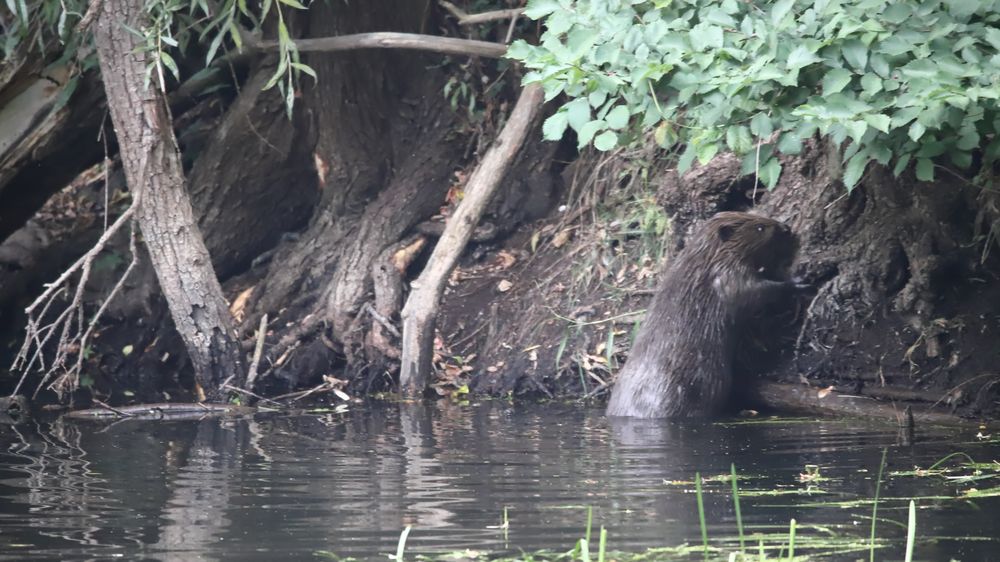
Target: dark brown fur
pixel 681 363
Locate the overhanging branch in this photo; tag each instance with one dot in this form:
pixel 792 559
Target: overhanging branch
pixel 392 40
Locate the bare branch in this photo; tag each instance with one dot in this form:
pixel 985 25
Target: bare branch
pixel 257 352
pixel 421 309
pixel 392 40
pixel 465 18
pixel 74 332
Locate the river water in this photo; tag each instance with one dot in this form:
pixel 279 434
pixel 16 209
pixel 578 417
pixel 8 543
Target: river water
pixel 299 487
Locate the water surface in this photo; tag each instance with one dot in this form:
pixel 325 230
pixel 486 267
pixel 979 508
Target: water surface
pixel 289 487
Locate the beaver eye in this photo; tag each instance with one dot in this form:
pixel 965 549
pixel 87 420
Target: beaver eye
pixel 760 228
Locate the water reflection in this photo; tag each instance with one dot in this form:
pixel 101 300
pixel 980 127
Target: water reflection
pixel 268 487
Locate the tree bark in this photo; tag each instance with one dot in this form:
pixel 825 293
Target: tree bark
pixel 153 170
pixel 421 308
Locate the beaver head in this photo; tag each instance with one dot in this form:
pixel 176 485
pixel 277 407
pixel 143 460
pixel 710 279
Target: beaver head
pixel 764 246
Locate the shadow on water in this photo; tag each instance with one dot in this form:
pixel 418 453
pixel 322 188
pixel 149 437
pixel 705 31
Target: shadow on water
pixel 289 487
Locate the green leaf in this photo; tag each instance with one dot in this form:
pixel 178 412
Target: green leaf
pixel 871 84
pixel 800 57
pixel 856 129
pixel 586 133
pixel 537 9
pixel 665 135
pixel 780 9
pixel 618 117
pixel 66 93
pixel 992 35
pixel 878 121
pixel 554 127
pixel 790 143
pixel 968 141
pixel 234 34
pixel 916 131
pixel 761 126
pixel 168 61
pixel 304 68
pixel 738 139
pixel 835 81
pixel 577 112
pixel 606 141
pixel 705 36
pixel 901 163
pixel 597 98
pixel 706 152
pixel 855 168
pixel 925 169
pixel 293 3
pixel 770 172
pixel 961 159
pixel 855 53
pixel 214 47
pixel 686 160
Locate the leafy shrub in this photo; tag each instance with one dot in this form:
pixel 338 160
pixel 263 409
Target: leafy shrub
pixel 903 81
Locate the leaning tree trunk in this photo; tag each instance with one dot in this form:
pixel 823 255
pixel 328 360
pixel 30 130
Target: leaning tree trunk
pixel 153 169
pixel 420 313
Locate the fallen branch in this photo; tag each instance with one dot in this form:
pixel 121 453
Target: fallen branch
pixel 812 400
pixel 160 411
pixel 420 312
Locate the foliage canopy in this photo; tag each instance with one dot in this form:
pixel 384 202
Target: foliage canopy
pixel 901 81
pixel 173 26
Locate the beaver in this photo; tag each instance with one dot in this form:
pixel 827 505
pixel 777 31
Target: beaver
pixel 681 363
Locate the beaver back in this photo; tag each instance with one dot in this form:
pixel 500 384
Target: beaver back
pixel 681 361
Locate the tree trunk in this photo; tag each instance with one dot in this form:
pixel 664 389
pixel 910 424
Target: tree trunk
pixel 153 170
pixel 41 149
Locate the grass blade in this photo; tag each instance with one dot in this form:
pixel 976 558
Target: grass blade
pixel 701 512
pixel 911 532
pixel 603 544
pixel 878 488
pixel 401 546
pixel 791 540
pixel 736 505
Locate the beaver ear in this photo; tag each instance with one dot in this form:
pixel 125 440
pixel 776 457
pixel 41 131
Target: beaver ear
pixel 726 232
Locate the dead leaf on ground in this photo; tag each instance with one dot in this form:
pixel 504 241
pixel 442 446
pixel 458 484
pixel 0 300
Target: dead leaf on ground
pixel 239 305
pixel 505 260
pixel 504 285
pixel 824 392
pixel 560 239
pixel 405 255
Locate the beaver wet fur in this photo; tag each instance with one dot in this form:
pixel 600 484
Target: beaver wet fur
pixel 681 363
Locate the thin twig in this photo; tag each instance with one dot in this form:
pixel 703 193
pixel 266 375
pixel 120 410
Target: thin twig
pixel 385 322
pixel 249 393
pixel 112 409
pixel 465 18
pixel 258 350
pixel 133 247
